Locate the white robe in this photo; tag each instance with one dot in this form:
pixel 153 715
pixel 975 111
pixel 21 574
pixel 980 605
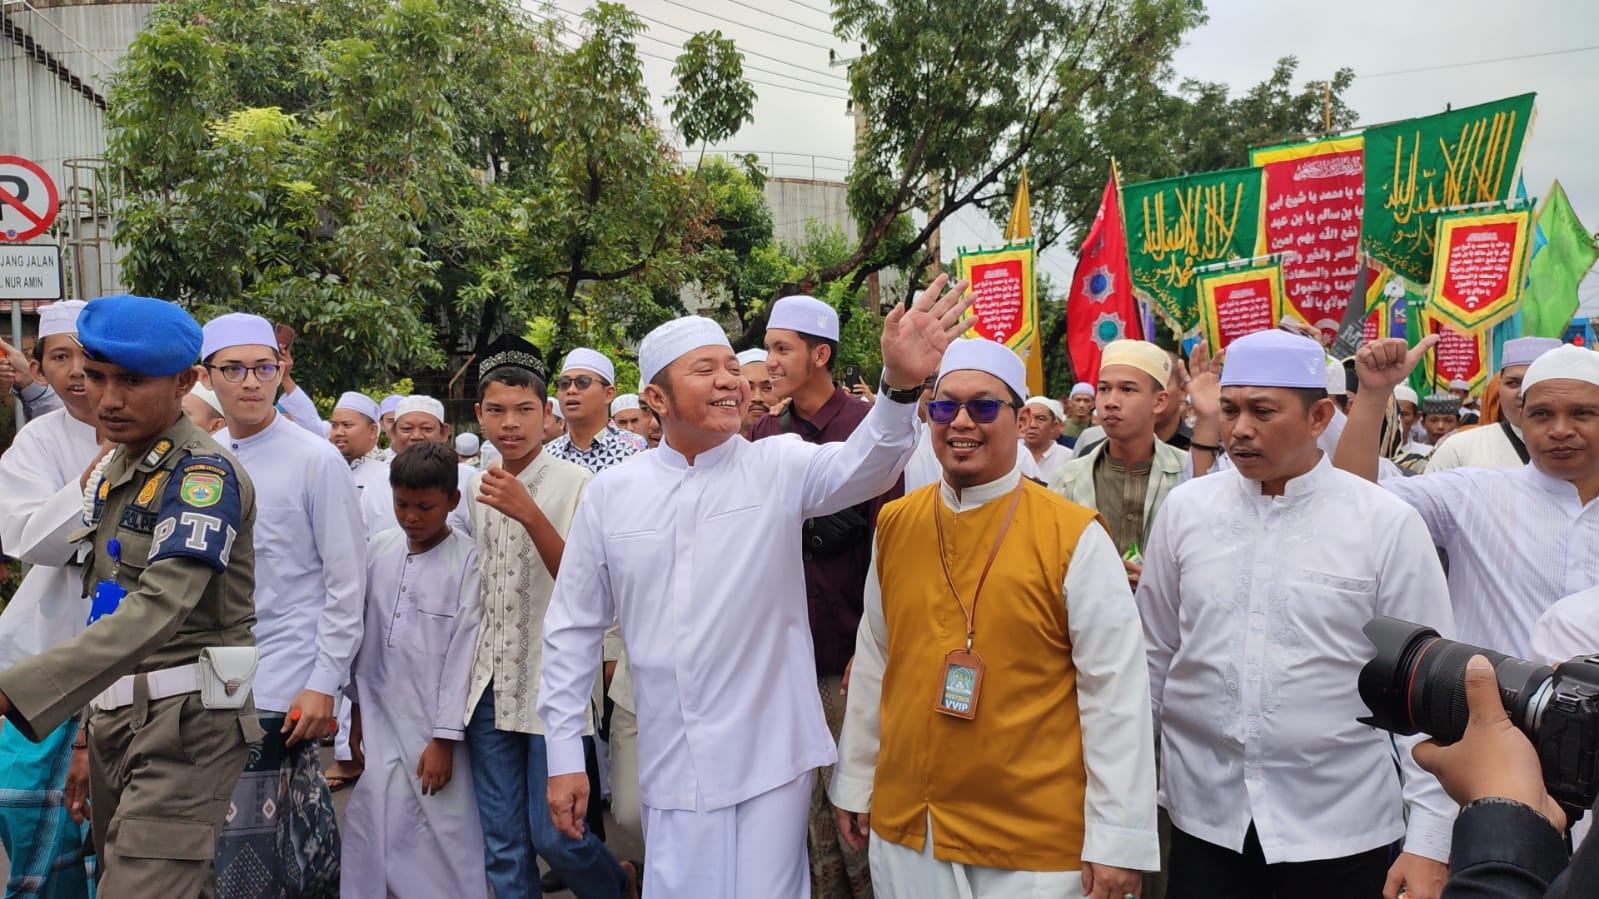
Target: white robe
pixel 410 679
pixel 377 498
pixel 702 565
pixel 41 503
pixel 1485 446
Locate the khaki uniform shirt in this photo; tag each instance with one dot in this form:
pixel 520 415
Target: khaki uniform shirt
pixel 183 513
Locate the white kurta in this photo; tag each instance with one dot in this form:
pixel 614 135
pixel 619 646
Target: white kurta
pixel 1517 539
pixel 302 411
pixel 41 503
pixel 1253 608
pixel 371 477
pixel 1569 629
pixel 1107 647
pixel 1481 447
pixel 309 585
pixel 702 564
pixel 410 679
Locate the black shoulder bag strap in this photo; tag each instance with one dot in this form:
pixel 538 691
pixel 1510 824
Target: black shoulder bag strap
pixel 1521 448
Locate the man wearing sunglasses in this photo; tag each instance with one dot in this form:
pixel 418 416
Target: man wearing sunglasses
pixel 1041 780
pixel 309 601
pixel 583 393
pixel 801 353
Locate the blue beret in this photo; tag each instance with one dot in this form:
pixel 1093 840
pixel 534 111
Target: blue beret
pixel 151 337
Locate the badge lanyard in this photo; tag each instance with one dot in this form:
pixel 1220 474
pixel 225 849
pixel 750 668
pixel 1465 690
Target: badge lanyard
pixel 963 668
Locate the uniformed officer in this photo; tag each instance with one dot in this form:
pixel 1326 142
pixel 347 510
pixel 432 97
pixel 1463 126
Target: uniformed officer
pixel 163 669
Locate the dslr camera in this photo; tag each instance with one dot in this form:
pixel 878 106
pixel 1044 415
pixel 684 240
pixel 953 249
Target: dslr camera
pixel 1417 683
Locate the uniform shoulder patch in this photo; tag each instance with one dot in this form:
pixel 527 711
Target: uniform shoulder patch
pixel 201 489
pixel 158 452
pixel 200 513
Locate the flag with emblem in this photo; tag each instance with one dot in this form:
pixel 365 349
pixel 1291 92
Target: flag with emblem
pixel 1100 307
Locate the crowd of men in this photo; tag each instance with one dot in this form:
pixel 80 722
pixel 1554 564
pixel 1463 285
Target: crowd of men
pixel 940 638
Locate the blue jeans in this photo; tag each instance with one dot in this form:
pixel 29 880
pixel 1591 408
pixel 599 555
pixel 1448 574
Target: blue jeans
pixel 509 771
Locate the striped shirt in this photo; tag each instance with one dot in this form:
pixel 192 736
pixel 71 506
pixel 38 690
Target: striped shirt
pixel 1518 540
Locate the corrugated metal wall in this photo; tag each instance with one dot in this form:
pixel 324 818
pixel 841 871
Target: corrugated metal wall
pixel 55 56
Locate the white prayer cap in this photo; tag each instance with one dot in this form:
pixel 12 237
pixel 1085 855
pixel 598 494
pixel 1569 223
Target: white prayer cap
pixel 806 315
pixel 590 360
pixel 1053 405
pixel 1567 363
pixel 236 329
pixel 748 356
pixel 420 404
pixel 1140 354
pixel 466 444
pixel 979 354
pixel 1275 358
pixel 1083 388
pixel 358 402
pixel 1337 383
pixel 669 342
pixel 389 404
pixel 623 402
pixel 59 318
pixel 206 396
pixel 1460 384
pixel 1404 393
pixel 558 413
pixel 1525 350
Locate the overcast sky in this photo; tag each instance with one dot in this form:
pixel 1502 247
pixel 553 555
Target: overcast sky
pixel 801 108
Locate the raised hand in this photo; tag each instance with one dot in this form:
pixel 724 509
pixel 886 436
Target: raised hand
pixel 1204 383
pixel 1385 363
pixel 914 338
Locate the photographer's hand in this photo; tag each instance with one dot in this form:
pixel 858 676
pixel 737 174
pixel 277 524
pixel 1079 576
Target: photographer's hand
pixel 1493 759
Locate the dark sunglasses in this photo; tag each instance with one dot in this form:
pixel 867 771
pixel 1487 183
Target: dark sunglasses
pixel 583 382
pixel 982 411
pixel 234 374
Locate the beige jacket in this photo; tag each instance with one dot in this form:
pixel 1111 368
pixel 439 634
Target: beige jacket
pixel 1075 480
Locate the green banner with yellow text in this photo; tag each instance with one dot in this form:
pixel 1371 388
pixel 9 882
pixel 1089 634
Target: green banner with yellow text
pixel 1418 168
pixel 1179 223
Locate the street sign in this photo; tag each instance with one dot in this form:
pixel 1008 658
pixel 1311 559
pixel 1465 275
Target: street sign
pixel 28 199
pixel 30 272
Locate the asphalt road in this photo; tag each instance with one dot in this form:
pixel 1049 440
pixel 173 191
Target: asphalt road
pixel 623 848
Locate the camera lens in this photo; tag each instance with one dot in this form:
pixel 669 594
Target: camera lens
pixel 1417 681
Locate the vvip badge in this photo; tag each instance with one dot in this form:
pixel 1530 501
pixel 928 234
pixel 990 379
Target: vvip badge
pixel 962 684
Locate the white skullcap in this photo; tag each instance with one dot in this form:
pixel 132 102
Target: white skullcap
pixel 748 356
pixel 420 404
pixel 669 342
pixel 389 404
pixel 1083 388
pixel 1525 350
pixel 59 318
pixel 1053 405
pixel 1139 354
pixel 1460 384
pixel 806 315
pixel 466 444
pixel 1337 382
pixel 1404 393
pixel 206 396
pixel 558 413
pixel 979 354
pixel 1567 363
pixel 236 329
pixel 358 402
pixel 1275 358
pixel 590 360
pixel 623 402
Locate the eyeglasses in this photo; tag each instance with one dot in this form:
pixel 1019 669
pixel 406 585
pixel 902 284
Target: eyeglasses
pixel 982 411
pixel 583 382
pixel 235 373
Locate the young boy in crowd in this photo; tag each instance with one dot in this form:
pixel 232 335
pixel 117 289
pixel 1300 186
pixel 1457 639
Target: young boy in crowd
pixel 412 827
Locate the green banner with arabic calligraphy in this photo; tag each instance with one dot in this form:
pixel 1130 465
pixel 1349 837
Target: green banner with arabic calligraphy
pixel 1179 223
pixel 1455 158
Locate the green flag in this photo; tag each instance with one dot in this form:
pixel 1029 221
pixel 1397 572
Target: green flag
pixel 1550 299
pixel 1415 299
pixel 1179 223
pixel 1455 158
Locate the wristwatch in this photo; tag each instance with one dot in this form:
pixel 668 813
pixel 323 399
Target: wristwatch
pixel 895 395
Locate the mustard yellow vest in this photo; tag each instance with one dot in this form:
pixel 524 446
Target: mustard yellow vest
pixel 1004 790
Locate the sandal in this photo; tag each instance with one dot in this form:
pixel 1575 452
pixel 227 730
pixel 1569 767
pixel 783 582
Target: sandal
pixel 339 781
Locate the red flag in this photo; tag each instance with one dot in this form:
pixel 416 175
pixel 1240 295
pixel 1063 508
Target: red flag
pixel 1100 307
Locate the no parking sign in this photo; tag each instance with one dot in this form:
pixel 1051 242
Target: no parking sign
pixel 28 199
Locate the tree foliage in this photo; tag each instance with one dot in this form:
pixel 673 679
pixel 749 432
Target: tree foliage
pixel 402 180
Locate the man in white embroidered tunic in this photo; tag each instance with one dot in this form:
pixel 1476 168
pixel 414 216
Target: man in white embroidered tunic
pixel 696 548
